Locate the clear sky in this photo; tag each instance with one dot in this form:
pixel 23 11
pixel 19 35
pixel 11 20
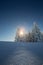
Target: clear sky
pixel 14 13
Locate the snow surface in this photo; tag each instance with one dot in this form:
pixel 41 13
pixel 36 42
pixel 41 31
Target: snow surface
pixel 21 53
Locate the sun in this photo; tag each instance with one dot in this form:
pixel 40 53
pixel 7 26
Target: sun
pixel 21 32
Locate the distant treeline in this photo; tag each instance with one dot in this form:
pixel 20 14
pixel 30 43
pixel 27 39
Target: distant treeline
pixel 34 36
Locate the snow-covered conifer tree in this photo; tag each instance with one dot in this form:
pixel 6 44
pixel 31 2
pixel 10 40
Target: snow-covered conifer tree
pixel 36 34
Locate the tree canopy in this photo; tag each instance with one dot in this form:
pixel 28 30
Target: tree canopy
pixel 34 36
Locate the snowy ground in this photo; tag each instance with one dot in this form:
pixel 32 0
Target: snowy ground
pixel 23 54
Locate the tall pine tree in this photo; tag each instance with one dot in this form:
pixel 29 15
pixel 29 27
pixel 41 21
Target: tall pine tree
pixel 36 34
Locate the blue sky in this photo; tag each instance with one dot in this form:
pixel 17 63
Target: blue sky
pixel 14 13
